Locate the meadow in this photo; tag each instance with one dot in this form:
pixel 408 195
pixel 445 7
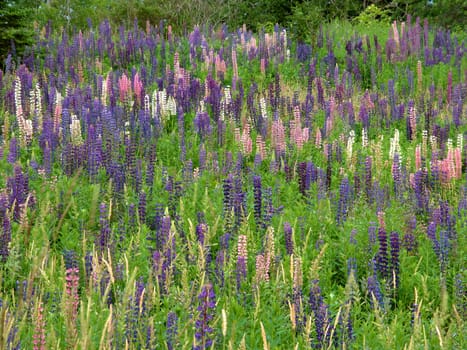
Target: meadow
pixel 226 189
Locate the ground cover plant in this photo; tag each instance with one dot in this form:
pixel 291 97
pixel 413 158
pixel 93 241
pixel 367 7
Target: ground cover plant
pixel 235 190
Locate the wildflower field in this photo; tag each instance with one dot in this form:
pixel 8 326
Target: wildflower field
pixel 235 190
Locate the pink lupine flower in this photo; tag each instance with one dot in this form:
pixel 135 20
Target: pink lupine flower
pixel 278 136
pixel 418 158
pixel 247 143
pixel 382 224
pixel 39 329
pixel 72 282
pixel 260 147
pixel 458 162
pixel 137 87
pixel 124 85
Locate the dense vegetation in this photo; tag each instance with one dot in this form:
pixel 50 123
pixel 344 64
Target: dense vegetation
pixel 207 187
pixel 18 18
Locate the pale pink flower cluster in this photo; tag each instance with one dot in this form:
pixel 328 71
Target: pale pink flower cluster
pixel 247 143
pixel 260 147
pixel 412 120
pixel 298 135
pixel 220 65
pixel 450 167
pixel 278 136
pixel 58 113
pixel 242 251
pixel 262 267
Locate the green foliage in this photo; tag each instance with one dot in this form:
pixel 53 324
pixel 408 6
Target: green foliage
pixel 372 15
pixel 15 28
pixel 305 19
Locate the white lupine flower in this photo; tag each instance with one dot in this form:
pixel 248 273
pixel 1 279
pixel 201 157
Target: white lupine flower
pixel 146 103
pixel 449 144
pixel 364 138
pixel 163 105
pixel 460 141
pixel 433 142
pixel 394 146
pixel 350 143
pixel 262 106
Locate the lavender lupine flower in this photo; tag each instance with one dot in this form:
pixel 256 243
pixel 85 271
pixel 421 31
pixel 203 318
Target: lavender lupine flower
pixel 171 332
pixel 288 238
pixel 203 329
pixel 395 264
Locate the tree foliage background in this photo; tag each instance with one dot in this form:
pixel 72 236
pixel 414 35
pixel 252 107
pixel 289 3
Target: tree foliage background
pixel 19 18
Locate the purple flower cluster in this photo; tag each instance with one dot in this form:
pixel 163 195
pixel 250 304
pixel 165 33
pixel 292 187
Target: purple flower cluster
pixel 206 309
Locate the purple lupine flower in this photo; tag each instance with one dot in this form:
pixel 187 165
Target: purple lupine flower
pixel 5 239
pixel 321 313
pixel 368 180
pixel 431 234
pixel 381 256
pixel 460 296
pixel 104 236
pixel 409 242
pixel 18 187
pixel 395 264
pixel 220 262
pixel 203 329
pixel 343 204
pixel 444 248
pixel 201 230
pixel 352 239
pixel 171 330
pixel 13 151
pixel 142 207
pixel 257 191
pixel 374 291
pixel 288 238
pixel 202 124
